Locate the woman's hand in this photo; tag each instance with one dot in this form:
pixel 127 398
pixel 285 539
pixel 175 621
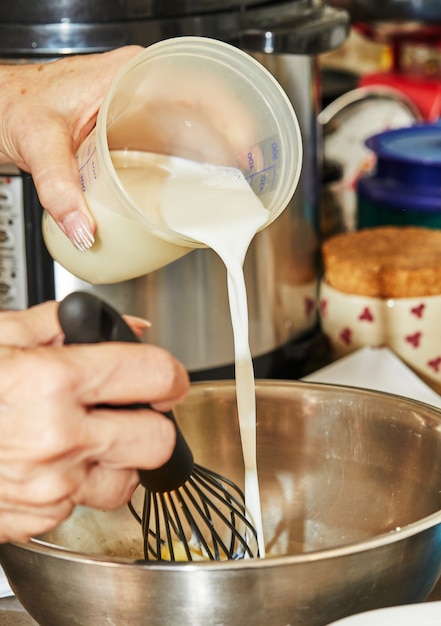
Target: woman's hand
pixel 46 111
pixel 59 447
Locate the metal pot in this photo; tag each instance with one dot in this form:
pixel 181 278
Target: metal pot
pixel 351 496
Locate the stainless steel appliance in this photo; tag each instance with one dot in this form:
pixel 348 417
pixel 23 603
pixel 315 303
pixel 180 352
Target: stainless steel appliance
pixel 187 301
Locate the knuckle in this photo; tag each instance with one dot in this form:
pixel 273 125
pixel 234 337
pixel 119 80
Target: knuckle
pixel 167 368
pixel 43 406
pixel 15 329
pixel 54 489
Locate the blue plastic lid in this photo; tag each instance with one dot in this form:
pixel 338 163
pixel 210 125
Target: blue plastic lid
pixel 419 144
pixel 408 168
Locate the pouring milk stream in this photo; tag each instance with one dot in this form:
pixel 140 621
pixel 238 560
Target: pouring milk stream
pixel 221 211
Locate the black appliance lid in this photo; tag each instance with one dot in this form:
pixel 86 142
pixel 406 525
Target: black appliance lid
pixel 87 11
pixel 53 29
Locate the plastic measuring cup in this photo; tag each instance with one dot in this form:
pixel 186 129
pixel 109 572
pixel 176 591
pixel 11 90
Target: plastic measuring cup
pixel 191 98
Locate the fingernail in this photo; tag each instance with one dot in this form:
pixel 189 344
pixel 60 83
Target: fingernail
pixel 77 228
pixel 139 322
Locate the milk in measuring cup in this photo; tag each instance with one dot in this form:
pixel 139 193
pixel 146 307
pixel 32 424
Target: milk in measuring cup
pixel 125 247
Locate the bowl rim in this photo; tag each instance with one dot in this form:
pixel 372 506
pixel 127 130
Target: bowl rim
pixel 378 541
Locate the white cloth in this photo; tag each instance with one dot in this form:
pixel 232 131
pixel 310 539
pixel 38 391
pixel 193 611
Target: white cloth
pixel 5 589
pixel 378 369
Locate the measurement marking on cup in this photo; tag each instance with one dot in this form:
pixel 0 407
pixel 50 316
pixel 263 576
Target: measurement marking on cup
pixel 87 168
pixel 263 180
pixel 89 157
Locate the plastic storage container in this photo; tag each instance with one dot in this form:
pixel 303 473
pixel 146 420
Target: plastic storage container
pixel 405 186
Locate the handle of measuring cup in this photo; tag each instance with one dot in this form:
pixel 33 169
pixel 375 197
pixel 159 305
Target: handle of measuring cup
pixel 85 318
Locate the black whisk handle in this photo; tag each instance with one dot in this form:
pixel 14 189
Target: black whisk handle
pixel 85 318
pixel 175 472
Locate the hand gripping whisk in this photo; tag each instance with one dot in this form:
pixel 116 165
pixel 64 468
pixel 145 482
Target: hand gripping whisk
pixel 189 512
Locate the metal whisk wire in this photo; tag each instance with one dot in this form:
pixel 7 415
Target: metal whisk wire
pixel 190 516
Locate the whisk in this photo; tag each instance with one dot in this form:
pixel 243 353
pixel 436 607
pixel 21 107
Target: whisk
pixel 189 512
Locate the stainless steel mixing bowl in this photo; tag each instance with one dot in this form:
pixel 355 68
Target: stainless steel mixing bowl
pixel 351 497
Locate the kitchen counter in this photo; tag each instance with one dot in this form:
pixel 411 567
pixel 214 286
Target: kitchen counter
pixel 13 614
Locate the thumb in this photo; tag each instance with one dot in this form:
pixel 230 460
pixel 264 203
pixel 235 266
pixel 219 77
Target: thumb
pixel 57 180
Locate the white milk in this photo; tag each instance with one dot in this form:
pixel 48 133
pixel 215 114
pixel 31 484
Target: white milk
pixel 124 246
pixel 216 206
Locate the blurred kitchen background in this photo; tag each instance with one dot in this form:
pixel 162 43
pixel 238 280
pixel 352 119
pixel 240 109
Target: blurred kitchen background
pixel 386 75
